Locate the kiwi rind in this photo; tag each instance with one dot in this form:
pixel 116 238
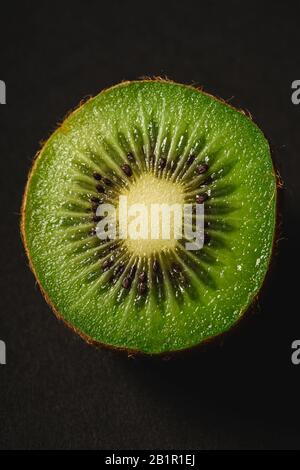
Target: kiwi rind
pixel 86 337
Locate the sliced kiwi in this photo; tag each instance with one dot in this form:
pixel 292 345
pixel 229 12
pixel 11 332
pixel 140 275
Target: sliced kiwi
pixel 156 142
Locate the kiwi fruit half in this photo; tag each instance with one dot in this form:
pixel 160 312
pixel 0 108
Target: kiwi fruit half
pixel 154 141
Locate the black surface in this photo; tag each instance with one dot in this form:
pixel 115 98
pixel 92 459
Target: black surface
pixel 58 392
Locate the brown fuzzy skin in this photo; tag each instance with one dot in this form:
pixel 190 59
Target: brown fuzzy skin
pixel 134 353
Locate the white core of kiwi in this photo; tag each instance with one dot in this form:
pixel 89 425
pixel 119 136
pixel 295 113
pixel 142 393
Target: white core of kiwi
pixel 149 190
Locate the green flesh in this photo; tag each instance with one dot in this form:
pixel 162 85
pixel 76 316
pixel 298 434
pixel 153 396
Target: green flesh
pixel 221 280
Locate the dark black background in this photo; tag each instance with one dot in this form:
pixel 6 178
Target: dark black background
pixel 58 392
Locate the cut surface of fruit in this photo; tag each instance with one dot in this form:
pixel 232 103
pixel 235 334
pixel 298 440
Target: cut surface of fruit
pixel 151 142
pixel 150 189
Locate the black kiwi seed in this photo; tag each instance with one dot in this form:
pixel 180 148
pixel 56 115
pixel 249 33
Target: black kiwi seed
pixel 155 266
pixel 127 282
pixel 107 264
pixel 97 218
pixel 200 198
pixel 130 157
pixel 190 160
pixel 207 181
pixel 176 268
pixel 95 199
pixel 142 287
pixel 94 208
pixel 132 271
pixel 207 238
pixel 93 232
pixel 117 273
pixel 161 163
pixel 97 176
pixel 173 165
pixel 201 169
pixel 107 181
pixel 143 276
pixel 100 188
pixel 151 159
pixel 127 169
pixel 119 269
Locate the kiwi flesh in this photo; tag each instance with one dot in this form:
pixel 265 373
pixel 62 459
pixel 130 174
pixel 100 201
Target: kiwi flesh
pixel 154 141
